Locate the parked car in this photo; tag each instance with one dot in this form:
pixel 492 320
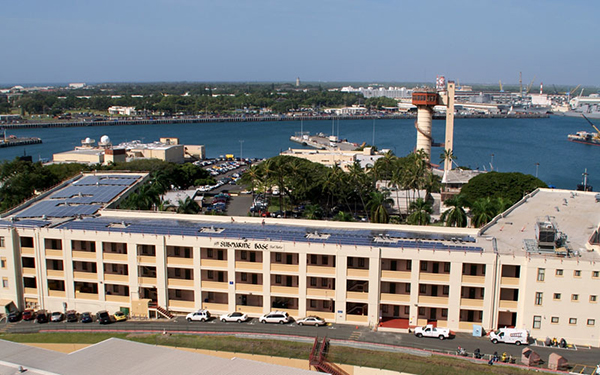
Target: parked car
pixel 311 321
pixel 103 317
pixel 29 314
pixel 57 316
pixel 14 316
pixel 72 316
pixel 234 317
pixel 280 317
pixel 42 316
pixel 200 315
pixel 87 317
pixel 431 331
pixel 120 316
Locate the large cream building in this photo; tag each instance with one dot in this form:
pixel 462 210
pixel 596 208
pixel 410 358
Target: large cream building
pixel 535 267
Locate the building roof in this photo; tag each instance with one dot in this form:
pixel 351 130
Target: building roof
pixel 575 214
pixel 116 356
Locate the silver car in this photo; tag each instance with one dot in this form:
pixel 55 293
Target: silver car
pixel 234 317
pixel 311 321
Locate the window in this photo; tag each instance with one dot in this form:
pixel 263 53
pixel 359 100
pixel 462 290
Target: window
pixel 1 241
pixel 244 276
pixel 407 288
pixel 115 289
pixel 407 310
pixel 177 293
pixel 554 320
pixel 446 290
pixel 361 262
pixel 325 259
pixel 577 273
pixel 177 272
pixel 325 304
pixel 541 274
pixel 591 322
pixel 313 281
pixel 574 297
pixel 211 274
pixel 177 251
pixel 593 298
pixel 2 262
pixel 115 268
pixel 409 265
pixel 209 253
pixel 424 266
pixel 421 311
pixel 384 309
pixel 5 282
pixel 596 274
pixel 313 259
pixel 557 296
pixel 277 279
pixel 278 257
pixel 559 272
pixel 572 320
pixel 447 267
pixel 324 282
pixel 313 303
pixel 538 298
pixel 537 321
pixel 244 255
pixel 422 288
pixel 444 313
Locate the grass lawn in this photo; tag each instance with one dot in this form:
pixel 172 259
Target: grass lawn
pixel 434 365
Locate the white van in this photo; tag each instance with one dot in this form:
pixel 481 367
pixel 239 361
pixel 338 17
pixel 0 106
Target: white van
pixel 510 336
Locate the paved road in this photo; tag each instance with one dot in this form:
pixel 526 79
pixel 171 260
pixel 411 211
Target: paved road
pixel 339 333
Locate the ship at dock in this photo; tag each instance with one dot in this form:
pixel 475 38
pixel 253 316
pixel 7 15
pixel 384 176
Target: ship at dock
pixel 588 138
pixel 11 141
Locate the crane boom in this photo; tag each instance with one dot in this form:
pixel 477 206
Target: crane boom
pixel 530 84
pixel 591 123
pixel 501 89
pixel 575 89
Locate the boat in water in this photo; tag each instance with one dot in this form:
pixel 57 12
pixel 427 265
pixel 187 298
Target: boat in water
pixel 588 138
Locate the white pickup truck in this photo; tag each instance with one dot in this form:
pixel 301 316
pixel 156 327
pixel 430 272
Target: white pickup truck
pixel 431 331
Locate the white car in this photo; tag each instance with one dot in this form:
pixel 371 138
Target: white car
pixel 234 317
pixel 280 317
pixel 200 315
pixel 311 321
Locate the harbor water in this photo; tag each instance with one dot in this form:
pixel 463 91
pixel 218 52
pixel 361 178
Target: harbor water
pixel 507 145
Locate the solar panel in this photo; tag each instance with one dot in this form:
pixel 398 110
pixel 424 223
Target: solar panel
pixel 107 180
pixel 256 232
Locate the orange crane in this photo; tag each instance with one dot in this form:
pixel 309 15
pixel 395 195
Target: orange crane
pixel 597 136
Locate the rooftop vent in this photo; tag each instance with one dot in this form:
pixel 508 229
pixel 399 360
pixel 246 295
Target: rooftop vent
pixel 121 225
pixel 317 236
pixel 384 238
pixel 211 229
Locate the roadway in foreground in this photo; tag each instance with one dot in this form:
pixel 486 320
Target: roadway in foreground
pixel 353 335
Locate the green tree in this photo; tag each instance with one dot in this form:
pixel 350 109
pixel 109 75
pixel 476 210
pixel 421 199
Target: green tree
pixel 421 211
pixel 187 206
pixel 455 216
pixel 511 186
pixel 483 210
pixel 377 207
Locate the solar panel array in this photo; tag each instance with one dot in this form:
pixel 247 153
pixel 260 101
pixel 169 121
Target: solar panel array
pixel 82 198
pixel 257 232
pixel 24 223
pixel 58 208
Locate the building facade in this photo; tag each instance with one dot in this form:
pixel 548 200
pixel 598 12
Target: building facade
pixel 355 273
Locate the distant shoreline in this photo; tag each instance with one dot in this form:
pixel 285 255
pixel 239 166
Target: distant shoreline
pixel 191 120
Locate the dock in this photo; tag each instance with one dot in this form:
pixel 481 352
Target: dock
pixel 323 142
pixel 11 142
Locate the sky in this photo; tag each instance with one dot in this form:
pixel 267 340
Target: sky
pixel 472 41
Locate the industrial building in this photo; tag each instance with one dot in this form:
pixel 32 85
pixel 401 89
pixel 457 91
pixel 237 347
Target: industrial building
pixel 536 266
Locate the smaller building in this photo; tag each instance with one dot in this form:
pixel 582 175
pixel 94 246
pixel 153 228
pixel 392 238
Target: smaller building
pixel 77 85
pixel 123 111
pixel 329 158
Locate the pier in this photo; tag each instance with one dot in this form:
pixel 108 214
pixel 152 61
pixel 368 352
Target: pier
pixel 11 142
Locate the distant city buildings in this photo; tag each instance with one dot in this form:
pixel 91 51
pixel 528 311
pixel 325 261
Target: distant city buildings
pixel 376 92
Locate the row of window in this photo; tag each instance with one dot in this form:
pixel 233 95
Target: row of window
pixel 537 321
pixel 557 297
pixel 541 273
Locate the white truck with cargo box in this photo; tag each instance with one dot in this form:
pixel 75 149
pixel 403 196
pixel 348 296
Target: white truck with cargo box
pixel 510 336
pixel 431 331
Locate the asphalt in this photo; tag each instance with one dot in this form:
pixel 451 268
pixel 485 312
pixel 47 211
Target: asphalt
pixel 339 334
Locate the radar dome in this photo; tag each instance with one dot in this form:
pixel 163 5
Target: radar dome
pixel 88 140
pixel 105 139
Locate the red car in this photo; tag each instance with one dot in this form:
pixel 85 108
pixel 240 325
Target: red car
pixel 28 314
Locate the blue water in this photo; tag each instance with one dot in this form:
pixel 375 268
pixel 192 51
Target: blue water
pixel 516 144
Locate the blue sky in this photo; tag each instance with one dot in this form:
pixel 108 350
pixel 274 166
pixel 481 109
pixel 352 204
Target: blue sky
pixel 476 41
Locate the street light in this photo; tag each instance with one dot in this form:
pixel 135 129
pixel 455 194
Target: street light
pixel 241 148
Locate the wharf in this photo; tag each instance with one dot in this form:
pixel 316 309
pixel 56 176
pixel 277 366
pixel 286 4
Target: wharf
pixel 323 142
pixel 11 142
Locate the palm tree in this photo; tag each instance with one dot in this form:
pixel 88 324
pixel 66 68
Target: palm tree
pixel 377 207
pixel 456 215
pixel 483 211
pixel 503 204
pixel 421 212
pixel 447 157
pixel 187 206
pixel 343 216
pixel 313 212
